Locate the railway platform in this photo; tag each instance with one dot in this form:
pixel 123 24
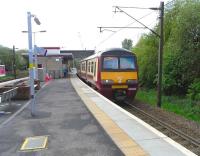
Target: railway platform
pixel 127 127
pixel 64 119
pixel 79 121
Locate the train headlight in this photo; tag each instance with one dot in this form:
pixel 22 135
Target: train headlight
pixel 131 82
pixel 107 82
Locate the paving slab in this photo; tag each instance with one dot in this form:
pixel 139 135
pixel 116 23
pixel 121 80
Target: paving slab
pixel 62 116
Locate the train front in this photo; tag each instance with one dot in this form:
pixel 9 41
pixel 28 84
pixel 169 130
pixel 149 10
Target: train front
pixel 119 75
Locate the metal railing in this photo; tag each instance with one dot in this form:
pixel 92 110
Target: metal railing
pixel 6 96
pixel 13 82
pixel 5 99
pixel 9 92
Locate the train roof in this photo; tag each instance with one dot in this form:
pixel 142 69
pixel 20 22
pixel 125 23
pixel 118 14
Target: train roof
pixel 108 51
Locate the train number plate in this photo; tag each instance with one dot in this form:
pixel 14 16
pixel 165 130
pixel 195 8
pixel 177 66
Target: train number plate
pixel 119 86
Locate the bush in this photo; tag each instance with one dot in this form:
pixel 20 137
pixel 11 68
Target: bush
pixel 194 90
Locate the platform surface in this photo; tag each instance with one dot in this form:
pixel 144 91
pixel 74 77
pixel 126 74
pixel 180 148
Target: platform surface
pixel 63 117
pixel 149 139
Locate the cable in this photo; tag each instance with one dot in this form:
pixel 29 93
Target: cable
pixel 123 28
pixel 132 22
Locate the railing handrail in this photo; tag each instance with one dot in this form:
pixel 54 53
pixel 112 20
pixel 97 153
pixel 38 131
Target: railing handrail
pixel 7 95
pixel 2 84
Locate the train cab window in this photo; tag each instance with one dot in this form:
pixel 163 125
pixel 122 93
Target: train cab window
pixel 110 63
pixel 127 63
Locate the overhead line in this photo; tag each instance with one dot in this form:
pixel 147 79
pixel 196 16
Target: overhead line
pixel 122 28
pixel 139 22
pixel 130 7
pixel 130 23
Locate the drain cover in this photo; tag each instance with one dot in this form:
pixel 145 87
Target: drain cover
pixel 34 143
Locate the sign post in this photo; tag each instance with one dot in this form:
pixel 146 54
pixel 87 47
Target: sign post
pixel 31 64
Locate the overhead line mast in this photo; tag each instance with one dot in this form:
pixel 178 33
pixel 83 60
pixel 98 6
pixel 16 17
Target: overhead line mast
pixel 160 35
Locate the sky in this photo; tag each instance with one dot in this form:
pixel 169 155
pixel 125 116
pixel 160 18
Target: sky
pixel 72 24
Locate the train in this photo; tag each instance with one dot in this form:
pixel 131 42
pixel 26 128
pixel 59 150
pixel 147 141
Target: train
pixel 112 72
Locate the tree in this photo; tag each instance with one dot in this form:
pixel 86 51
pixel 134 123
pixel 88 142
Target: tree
pixel 181 50
pixel 6 58
pixel 127 44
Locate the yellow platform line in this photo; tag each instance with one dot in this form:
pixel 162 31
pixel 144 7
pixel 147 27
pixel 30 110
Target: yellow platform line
pixel 126 144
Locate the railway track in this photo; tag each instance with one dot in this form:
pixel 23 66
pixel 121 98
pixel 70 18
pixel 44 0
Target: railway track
pixel 187 141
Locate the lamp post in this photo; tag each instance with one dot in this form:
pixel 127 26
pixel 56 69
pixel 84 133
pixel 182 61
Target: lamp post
pixel 34 32
pixel 30 52
pixel 35 52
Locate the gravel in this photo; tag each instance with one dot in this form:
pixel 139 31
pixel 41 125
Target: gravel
pixel 189 127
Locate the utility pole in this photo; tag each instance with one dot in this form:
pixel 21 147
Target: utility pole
pixel 14 62
pixel 160 56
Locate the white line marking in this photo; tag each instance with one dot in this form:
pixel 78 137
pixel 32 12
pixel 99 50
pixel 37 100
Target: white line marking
pixel 20 110
pixel 161 135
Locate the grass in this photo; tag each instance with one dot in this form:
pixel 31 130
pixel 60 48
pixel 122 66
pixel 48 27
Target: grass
pixel 179 105
pixel 7 77
pixel 10 76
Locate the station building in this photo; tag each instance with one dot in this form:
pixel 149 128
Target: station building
pixel 55 61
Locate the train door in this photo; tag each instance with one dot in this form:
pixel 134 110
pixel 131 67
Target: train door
pixel 87 69
pixel 95 69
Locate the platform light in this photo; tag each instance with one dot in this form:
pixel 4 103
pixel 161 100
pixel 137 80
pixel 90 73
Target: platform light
pixel 37 21
pixel 31 66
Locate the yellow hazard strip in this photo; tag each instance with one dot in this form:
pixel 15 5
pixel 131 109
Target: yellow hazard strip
pixel 125 143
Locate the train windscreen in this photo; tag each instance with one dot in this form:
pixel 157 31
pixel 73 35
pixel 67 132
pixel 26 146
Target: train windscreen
pixel 110 63
pixel 119 63
pixel 127 63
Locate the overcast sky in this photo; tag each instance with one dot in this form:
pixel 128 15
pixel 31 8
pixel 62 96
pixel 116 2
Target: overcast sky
pixel 72 24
